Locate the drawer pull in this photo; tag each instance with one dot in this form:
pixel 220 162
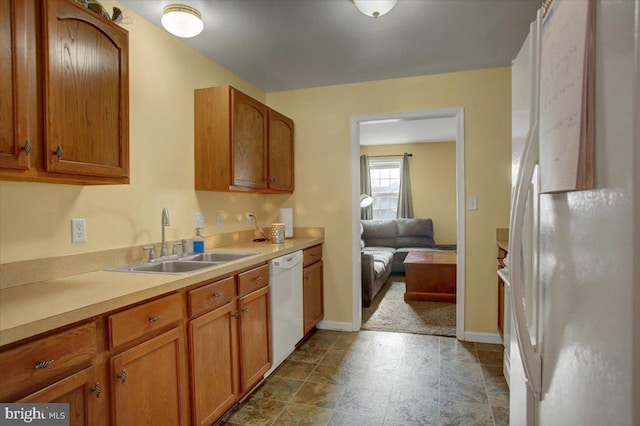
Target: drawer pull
pixel 218 294
pixel 43 364
pixel 245 310
pixel 313 254
pixel 96 389
pixel 154 318
pixel 258 278
pixel 27 147
pixel 122 376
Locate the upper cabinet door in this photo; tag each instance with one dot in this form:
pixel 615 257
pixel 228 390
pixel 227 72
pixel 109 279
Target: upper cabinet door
pixel 280 152
pixel 86 104
pixel 14 142
pixel 248 141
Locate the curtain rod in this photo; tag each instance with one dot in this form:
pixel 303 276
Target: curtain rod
pixel 392 155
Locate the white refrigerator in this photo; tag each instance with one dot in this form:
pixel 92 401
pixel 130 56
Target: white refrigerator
pixel 574 257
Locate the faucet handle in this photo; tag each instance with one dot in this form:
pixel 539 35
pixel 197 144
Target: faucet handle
pixel 174 247
pixel 152 252
pixel 185 250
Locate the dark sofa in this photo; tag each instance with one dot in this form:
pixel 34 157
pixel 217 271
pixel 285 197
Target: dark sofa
pixel 385 244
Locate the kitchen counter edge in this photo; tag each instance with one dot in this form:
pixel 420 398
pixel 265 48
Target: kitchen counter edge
pixel 32 309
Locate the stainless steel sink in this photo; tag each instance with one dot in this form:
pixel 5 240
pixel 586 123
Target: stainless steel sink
pixel 218 256
pixel 166 267
pixel 183 265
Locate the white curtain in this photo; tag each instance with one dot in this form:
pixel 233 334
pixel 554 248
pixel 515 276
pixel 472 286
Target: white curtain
pixel 405 203
pixel 365 186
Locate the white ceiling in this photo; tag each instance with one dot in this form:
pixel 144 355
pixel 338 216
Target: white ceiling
pixel 389 132
pixel 291 44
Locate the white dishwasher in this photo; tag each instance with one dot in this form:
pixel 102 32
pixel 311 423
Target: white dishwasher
pixel 287 328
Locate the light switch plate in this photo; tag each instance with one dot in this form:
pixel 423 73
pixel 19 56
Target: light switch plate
pixel 472 203
pixel 78 230
pixel 198 220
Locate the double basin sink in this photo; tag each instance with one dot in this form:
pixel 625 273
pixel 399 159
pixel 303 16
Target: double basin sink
pixel 183 264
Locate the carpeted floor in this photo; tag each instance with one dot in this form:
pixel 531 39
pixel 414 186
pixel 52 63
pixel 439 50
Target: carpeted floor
pixel 389 312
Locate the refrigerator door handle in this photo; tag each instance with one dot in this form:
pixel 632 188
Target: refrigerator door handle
pixel 531 360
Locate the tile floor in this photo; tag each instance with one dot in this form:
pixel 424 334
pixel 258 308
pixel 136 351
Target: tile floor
pixel 381 378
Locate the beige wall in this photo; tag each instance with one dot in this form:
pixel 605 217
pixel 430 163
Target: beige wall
pixel 35 217
pixel 323 173
pixel 433 183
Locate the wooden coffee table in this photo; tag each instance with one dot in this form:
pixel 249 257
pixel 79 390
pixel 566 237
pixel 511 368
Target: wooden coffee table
pixel 431 276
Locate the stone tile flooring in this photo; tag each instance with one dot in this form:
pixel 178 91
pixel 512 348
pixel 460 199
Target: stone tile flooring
pixel 381 378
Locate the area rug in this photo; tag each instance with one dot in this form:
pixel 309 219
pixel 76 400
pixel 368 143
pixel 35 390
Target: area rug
pixel 389 312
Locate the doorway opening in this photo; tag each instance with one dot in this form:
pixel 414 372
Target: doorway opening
pixel 361 126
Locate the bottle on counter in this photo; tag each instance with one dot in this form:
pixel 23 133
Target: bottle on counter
pixel 198 242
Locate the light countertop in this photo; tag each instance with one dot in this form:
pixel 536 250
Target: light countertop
pixel 31 309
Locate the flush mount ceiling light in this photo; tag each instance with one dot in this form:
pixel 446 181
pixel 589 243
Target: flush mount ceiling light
pixel 182 21
pixel 374 8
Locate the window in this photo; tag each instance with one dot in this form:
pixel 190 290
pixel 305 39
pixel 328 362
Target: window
pixel 385 186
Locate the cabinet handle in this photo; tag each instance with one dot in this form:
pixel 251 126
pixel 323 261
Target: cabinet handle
pixel 235 315
pixel 258 278
pixel 306 277
pixel 218 294
pixel 313 254
pixel 97 389
pixel 122 376
pixel 27 147
pixel 245 310
pixel 43 364
pixel 58 152
pixel 154 318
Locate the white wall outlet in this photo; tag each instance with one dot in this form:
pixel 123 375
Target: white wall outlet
pixel 198 220
pixel 219 218
pixel 249 218
pixel 78 230
pixel 472 203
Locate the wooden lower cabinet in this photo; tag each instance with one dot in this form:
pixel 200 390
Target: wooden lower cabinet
pixel 149 381
pixel 255 342
pixel 214 363
pixel 313 295
pixel 81 391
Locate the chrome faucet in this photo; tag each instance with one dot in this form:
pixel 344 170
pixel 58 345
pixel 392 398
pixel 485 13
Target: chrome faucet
pixel 165 222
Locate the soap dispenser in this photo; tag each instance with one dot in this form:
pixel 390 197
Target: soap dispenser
pixel 198 242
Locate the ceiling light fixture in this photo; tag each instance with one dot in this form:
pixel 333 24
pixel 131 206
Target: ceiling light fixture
pixel 182 21
pixel 374 8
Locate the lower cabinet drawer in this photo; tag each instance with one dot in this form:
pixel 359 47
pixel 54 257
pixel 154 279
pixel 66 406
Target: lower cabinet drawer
pixel 40 361
pixel 128 325
pixel 311 255
pixel 253 279
pixel 211 296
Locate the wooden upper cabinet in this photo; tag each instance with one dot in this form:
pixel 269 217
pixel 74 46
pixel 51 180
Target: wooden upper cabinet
pixel 248 141
pixel 14 140
pixel 86 104
pixel 241 144
pixel 280 176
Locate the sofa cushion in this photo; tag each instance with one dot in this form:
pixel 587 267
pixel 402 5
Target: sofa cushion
pixel 414 233
pixel 380 232
pixel 381 261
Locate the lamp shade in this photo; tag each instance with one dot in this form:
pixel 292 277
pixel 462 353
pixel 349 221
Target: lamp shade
pixel 182 21
pixel 374 8
pixel 365 200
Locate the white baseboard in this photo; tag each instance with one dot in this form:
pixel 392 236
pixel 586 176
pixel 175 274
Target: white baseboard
pixel 506 367
pixel 335 325
pixel 471 336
